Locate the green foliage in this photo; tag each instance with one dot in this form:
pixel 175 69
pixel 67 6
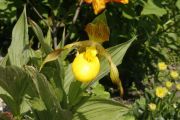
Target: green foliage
pixel 151 8
pixel 20 41
pixel 47 93
pixel 167 106
pixel 94 109
pixel 36 80
pixel 14 84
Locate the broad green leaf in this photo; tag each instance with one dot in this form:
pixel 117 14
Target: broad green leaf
pixel 98 90
pixel 24 106
pixel 53 77
pixel 100 109
pixel 47 49
pixel 4 92
pixel 178 4
pixel 75 93
pixel 4 60
pixel 48 95
pixel 58 65
pixel 14 82
pixel 20 41
pixel 37 30
pixel 151 8
pixel 3 4
pixel 117 53
pixel 69 78
pixel 44 88
pixel 37 104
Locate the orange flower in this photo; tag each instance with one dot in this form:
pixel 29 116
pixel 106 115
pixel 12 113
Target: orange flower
pixel 99 5
pixel 88 1
pixel 121 1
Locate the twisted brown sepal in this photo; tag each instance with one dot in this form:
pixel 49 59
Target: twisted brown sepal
pixel 114 75
pixel 98 30
pixel 51 56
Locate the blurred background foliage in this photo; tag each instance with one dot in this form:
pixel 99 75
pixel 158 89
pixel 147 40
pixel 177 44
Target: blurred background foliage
pixel 155 22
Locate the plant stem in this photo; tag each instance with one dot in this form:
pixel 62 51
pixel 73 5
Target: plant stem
pixel 54 32
pixel 75 16
pixel 36 11
pixel 77 12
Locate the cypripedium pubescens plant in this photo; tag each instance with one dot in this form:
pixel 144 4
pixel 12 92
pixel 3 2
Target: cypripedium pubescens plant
pixel 86 64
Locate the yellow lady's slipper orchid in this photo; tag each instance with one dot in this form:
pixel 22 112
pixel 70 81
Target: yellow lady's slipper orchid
pixel 99 5
pixel 86 65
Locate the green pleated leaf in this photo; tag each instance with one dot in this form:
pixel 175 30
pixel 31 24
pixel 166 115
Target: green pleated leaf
pixel 44 88
pixel 4 61
pixel 75 93
pixel 37 104
pixel 49 96
pixel 151 8
pixel 20 42
pixel 69 78
pixel 14 83
pixel 100 109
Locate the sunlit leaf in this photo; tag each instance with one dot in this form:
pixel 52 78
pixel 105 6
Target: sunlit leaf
pixel 48 38
pixel 152 8
pixel 117 53
pixel 69 78
pixel 178 4
pixel 4 60
pixel 37 104
pixel 100 109
pixel 20 42
pixel 99 90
